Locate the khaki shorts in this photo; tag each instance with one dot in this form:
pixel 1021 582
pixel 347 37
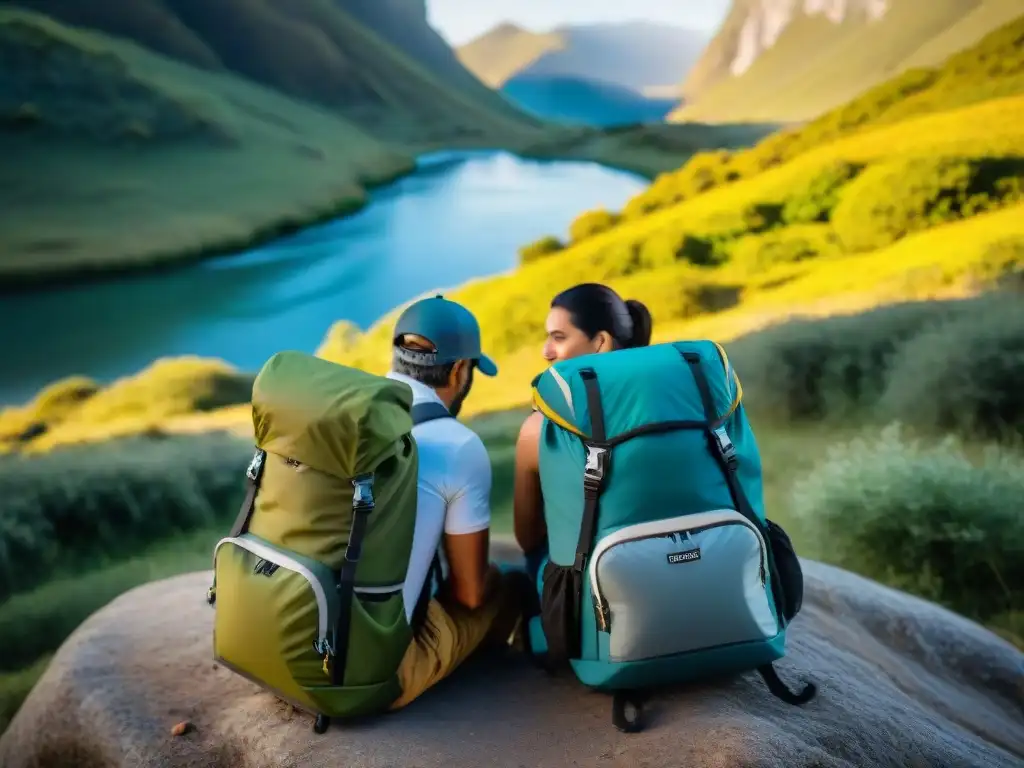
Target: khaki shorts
pixel 451 633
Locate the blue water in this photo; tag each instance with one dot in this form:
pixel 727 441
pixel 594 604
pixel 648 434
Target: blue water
pixel 460 216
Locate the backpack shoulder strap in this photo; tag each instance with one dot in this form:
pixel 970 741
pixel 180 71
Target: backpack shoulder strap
pixel 424 412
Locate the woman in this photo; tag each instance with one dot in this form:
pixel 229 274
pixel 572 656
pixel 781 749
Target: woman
pixel 585 319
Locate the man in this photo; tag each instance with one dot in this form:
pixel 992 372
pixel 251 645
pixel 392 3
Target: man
pixel 436 351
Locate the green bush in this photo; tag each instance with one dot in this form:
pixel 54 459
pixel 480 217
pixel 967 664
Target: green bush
pixel 814 201
pixel 925 519
pixel 539 249
pixel 1001 265
pixel 64 509
pixel 786 245
pixel 965 375
pixel 591 223
pixel 678 293
pixel 893 199
pixel 829 367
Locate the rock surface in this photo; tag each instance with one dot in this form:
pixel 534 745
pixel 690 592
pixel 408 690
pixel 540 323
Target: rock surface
pixel 903 684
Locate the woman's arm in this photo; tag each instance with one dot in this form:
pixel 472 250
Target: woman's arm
pixel 528 504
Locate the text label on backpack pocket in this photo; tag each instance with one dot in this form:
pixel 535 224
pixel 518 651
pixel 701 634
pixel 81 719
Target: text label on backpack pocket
pixel 684 557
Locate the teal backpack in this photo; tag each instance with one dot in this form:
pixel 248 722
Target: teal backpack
pixel 662 566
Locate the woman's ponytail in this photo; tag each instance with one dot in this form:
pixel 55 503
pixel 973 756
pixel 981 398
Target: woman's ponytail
pixel 642 323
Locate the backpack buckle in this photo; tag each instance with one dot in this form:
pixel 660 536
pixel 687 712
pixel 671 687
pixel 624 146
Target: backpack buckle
pixel 253 470
pixel 724 445
pixel 362 497
pixel 597 464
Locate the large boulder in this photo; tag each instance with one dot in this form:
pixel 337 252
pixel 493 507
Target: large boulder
pixel 904 683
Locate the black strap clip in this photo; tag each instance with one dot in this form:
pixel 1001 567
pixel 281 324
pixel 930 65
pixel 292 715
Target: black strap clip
pixel 594 471
pixel 362 504
pixel 724 446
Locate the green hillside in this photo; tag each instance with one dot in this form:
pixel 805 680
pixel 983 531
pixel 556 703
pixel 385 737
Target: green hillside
pixel 816 64
pixel 914 190
pixel 383 70
pixel 182 136
pixel 116 156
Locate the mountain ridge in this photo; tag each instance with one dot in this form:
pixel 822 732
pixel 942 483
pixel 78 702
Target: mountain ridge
pixel 634 55
pixel 791 60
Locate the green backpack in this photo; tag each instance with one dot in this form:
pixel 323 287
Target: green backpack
pixel 308 585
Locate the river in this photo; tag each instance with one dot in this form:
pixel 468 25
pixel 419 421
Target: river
pixel 459 216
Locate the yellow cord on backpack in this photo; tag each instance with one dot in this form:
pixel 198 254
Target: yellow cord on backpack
pixel 327 671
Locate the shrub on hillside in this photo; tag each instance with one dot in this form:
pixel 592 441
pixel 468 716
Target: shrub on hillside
pixel 814 200
pixel 539 249
pixel 787 245
pixel 65 507
pixel 591 223
pixel 51 406
pixel 704 171
pixel 925 519
pixel 679 293
pixel 965 375
pixel 829 367
pixel 672 245
pixel 1001 265
pixel 169 387
pixel 893 199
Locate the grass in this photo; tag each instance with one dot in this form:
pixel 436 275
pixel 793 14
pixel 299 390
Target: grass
pixel 816 65
pixel 68 506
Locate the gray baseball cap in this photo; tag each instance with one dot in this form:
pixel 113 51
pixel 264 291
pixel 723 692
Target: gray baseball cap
pixel 450 327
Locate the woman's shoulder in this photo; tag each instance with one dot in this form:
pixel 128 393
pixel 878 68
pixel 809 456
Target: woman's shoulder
pixel 530 428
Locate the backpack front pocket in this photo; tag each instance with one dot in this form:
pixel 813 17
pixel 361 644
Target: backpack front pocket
pixel 275 613
pixel 682 584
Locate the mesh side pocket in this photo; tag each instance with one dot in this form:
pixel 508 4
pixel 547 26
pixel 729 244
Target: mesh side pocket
pixel 559 612
pixel 790 574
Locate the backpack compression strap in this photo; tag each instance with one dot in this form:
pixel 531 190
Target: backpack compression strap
pixel 362 507
pixel 724 451
pixel 253 475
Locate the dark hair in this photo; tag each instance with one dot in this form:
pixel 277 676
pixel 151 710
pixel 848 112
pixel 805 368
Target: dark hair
pixel 433 375
pixel 594 307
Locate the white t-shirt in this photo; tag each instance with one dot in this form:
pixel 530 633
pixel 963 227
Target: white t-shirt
pixel 454 488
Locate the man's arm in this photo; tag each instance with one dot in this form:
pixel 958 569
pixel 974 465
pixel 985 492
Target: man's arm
pixel 467 525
